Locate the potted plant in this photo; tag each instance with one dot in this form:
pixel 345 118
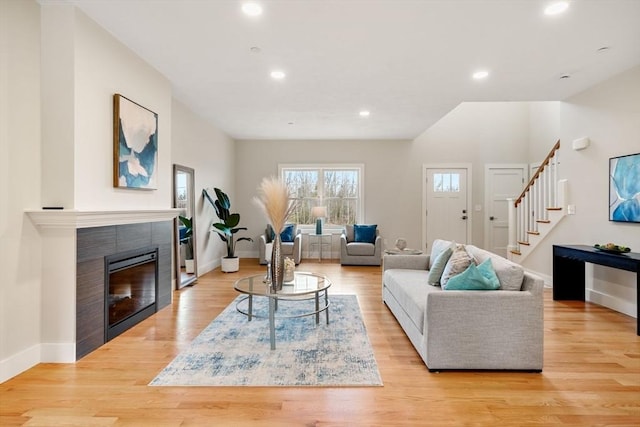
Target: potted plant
pixel 186 236
pixel 227 229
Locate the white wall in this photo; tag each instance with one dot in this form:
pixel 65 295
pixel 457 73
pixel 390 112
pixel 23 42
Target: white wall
pixel 70 86
pixel 475 133
pixel 20 245
pixel 385 172
pixel 609 114
pixel 199 145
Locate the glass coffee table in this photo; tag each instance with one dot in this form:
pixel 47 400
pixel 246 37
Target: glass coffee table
pixel 303 287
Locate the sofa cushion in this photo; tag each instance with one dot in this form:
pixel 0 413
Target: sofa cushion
pixel 364 249
pixel 410 289
pixel 348 232
pixel 510 274
pixel 474 279
pixel 437 247
pixel 435 273
pixel 288 233
pixel 364 233
pixel 458 262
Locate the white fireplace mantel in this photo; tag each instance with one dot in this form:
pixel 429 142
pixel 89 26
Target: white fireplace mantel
pixel 72 219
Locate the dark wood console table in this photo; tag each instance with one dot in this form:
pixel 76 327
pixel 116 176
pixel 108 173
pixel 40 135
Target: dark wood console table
pixel 568 270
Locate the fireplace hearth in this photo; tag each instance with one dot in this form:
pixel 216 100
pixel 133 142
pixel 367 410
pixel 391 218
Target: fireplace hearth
pixel 131 289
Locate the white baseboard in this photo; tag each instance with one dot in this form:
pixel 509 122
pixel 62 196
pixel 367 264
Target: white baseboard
pixel 19 362
pixel 39 353
pixel 617 304
pixel 58 353
pixel 207 267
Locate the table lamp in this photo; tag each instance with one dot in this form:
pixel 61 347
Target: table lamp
pixel 319 212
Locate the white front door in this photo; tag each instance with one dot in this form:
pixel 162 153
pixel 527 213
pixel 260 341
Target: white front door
pixel 501 183
pixel 446 199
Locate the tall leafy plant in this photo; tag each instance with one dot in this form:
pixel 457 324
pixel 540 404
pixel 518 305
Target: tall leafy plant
pixel 228 225
pixel 186 238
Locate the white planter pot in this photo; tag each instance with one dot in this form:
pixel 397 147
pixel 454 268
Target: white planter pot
pixel 230 265
pixel 189 266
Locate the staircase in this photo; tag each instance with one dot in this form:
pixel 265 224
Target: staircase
pixel 538 209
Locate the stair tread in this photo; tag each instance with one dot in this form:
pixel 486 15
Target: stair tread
pixel 524 243
pixel 515 252
pixel 543 221
pixel 535 233
pixel 554 209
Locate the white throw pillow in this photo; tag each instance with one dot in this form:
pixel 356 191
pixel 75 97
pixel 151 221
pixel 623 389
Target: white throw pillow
pixel 437 247
pixel 459 262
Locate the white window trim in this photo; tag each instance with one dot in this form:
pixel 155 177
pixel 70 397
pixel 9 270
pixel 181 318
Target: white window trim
pixel 330 229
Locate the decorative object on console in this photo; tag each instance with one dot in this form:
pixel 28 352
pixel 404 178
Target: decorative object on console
pixel 227 228
pixel 319 213
pixel 612 248
pixel 289 269
pixel 401 244
pixel 274 200
pixel 624 188
pixel 135 145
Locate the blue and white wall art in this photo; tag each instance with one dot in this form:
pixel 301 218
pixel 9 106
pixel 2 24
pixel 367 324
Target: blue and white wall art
pixel 135 131
pixel 624 188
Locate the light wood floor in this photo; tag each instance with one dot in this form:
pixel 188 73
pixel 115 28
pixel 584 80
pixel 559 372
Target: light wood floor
pixel 591 374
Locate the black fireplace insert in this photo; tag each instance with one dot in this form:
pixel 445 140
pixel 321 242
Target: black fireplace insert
pixel 131 289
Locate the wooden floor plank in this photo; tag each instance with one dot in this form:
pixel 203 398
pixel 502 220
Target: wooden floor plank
pixel 591 374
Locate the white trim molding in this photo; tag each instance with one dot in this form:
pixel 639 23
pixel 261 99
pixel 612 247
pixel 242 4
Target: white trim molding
pixel 69 218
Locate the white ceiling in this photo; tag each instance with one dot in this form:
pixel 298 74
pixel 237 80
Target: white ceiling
pixel 407 61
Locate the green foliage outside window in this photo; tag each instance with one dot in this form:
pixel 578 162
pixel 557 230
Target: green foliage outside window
pixel 337 189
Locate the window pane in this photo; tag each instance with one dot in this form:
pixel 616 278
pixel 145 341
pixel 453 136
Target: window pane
pixel 301 183
pixel 340 183
pixel 455 182
pixel 437 182
pixel 337 189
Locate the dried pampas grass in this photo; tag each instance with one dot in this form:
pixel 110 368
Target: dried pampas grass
pixel 274 201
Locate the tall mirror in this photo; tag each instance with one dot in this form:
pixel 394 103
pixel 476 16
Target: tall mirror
pixel 185 226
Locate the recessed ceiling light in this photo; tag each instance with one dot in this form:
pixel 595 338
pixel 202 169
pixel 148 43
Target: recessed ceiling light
pixel 365 113
pixel 479 75
pixel 556 8
pixel 255 49
pixel 278 75
pixel 565 76
pixel 252 9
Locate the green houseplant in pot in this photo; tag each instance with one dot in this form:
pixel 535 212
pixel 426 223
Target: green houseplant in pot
pixel 186 236
pixel 227 228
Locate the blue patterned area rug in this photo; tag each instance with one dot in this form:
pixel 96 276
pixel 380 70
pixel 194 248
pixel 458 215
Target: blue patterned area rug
pixel 232 351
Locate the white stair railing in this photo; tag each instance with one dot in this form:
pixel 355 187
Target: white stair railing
pixel 538 198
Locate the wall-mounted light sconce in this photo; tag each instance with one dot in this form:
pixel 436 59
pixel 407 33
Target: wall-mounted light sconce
pixel 580 143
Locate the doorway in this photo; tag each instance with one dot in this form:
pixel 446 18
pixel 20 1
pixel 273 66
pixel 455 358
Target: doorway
pixel 186 259
pixel 501 182
pixel 446 196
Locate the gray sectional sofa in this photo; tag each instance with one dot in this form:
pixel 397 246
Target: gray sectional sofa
pixel 468 329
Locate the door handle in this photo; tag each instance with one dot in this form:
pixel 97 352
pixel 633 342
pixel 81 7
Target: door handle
pixel 464 217
pixel 491 218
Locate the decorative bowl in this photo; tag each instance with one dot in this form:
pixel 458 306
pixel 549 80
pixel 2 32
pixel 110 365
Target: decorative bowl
pixel 612 248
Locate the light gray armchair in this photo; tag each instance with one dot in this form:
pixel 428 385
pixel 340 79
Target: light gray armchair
pixel 354 252
pixel 292 249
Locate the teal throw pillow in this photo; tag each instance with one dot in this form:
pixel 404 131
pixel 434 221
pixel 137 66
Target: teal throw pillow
pixel 364 233
pixel 287 233
pixel 435 272
pixel 471 279
pixel 487 271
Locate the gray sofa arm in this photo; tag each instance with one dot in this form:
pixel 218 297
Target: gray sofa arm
pixel 407 262
pixel 261 249
pixel 484 323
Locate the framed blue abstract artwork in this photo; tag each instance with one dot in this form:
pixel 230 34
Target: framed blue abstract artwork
pixel 135 145
pixel 624 188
